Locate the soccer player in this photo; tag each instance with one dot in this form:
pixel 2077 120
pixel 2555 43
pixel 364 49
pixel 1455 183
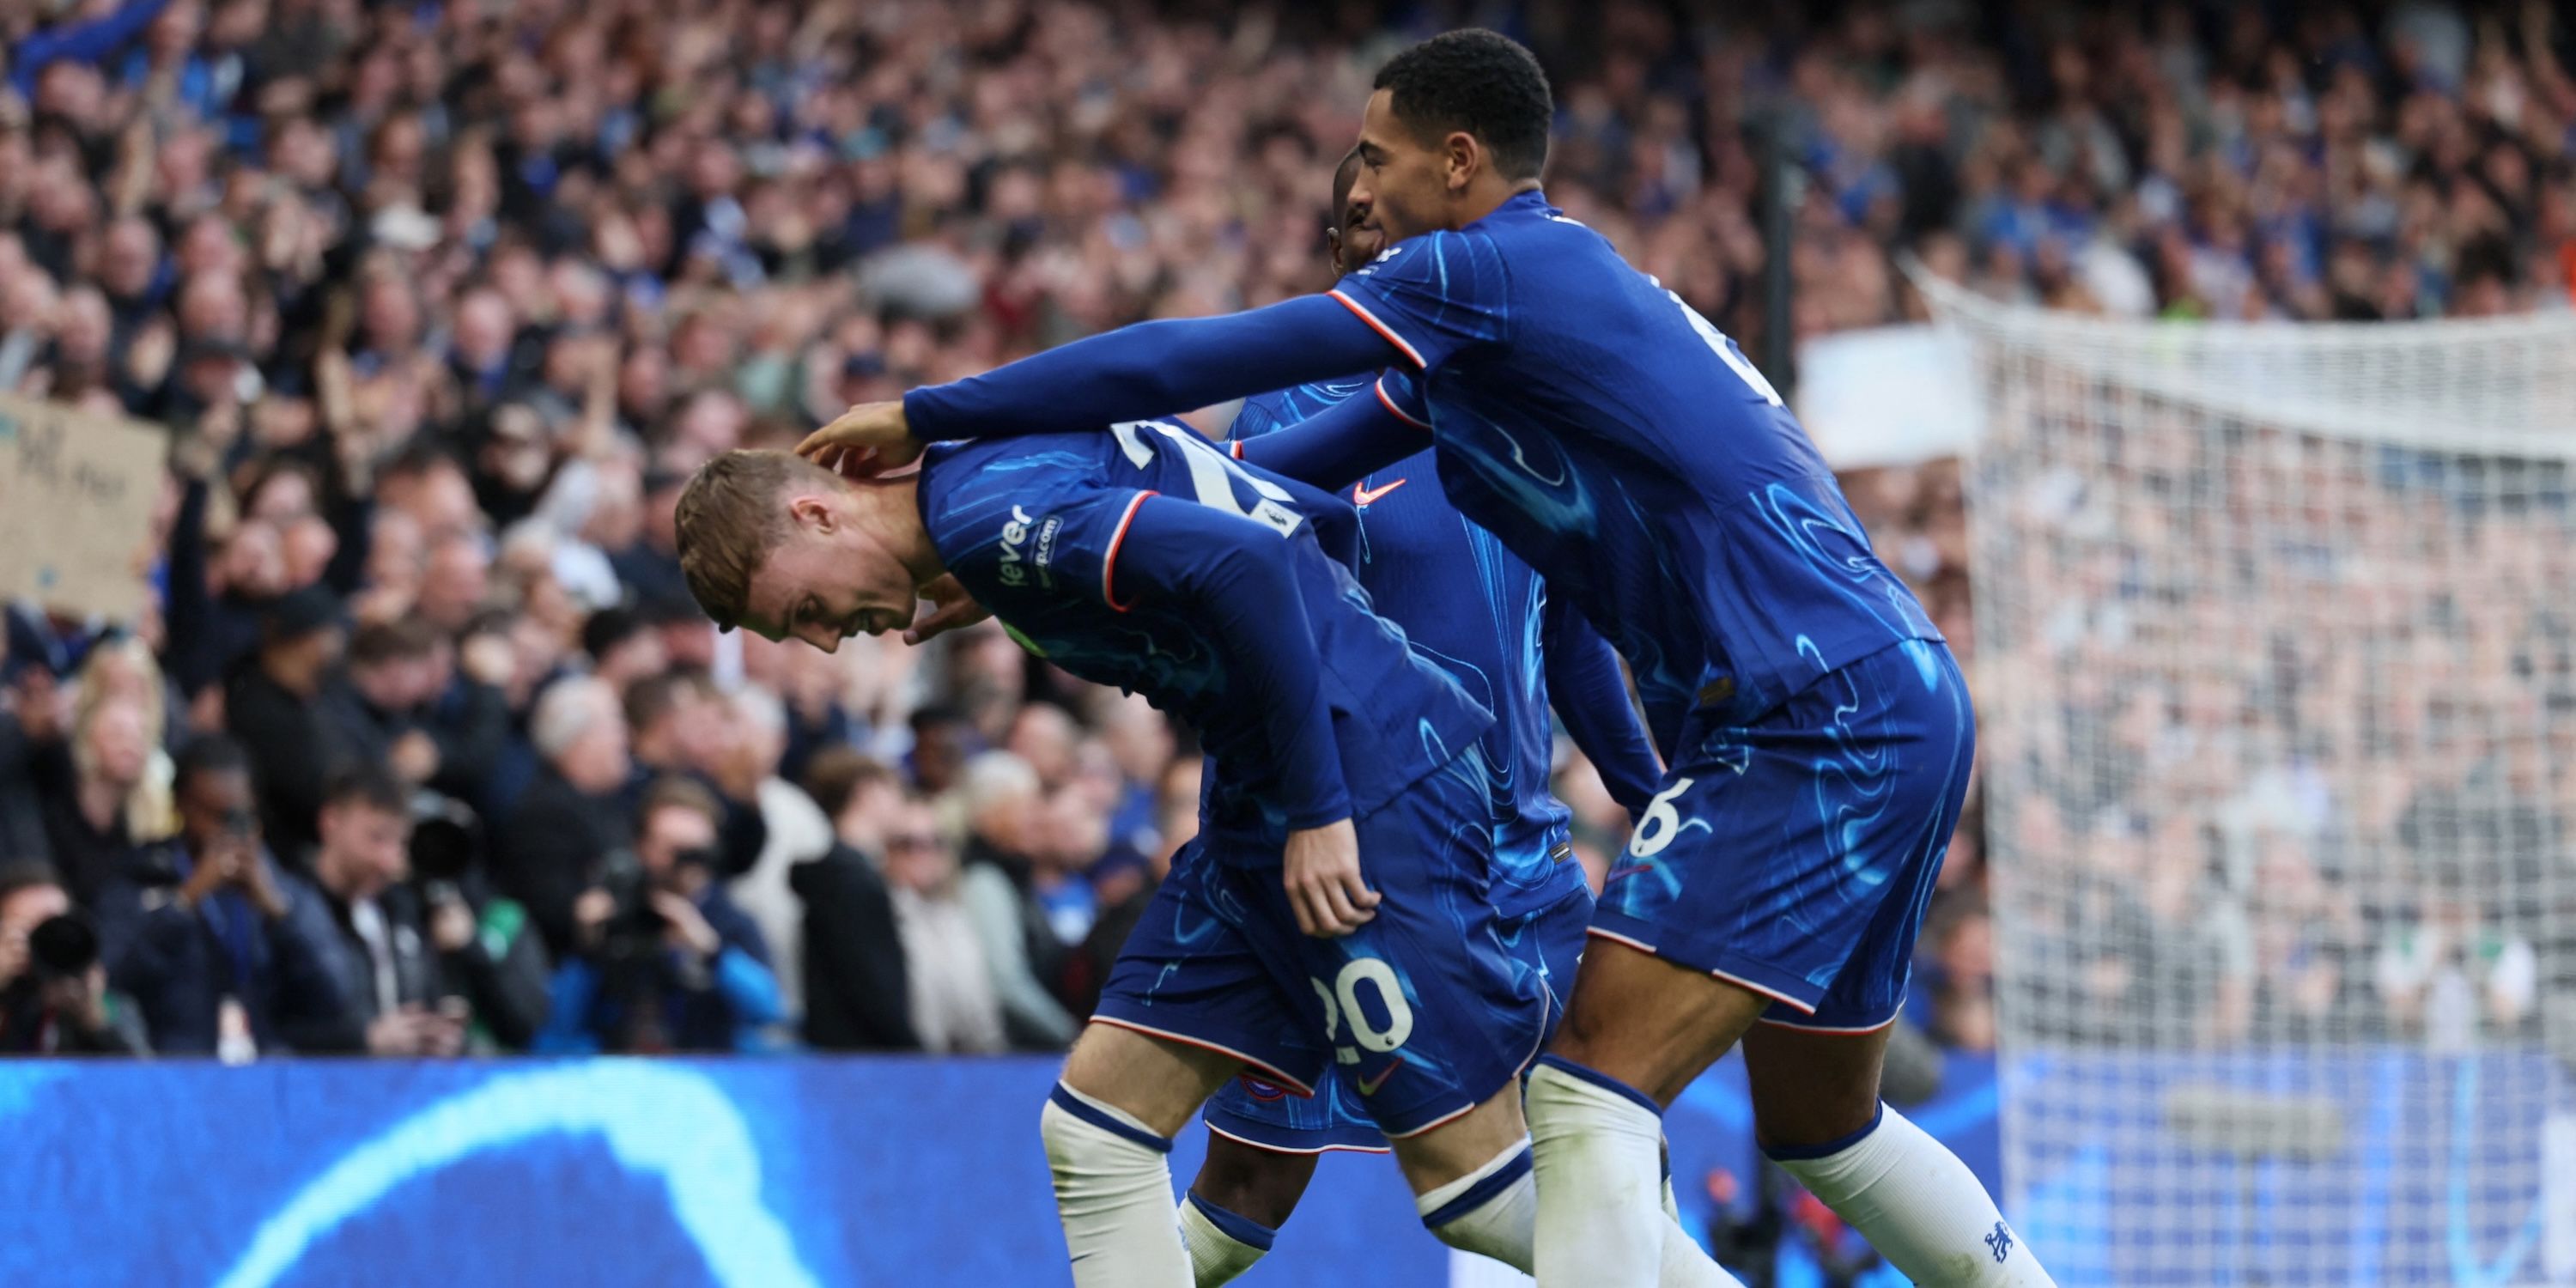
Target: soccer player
pixel 1148 559
pixel 1478 612
pixel 1816 730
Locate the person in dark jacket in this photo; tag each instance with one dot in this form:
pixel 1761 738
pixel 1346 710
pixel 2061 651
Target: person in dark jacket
pixel 857 995
pixel 409 710
pixel 676 724
pixel 664 960
pixel 412 963
pixel 224 952
pixel 287 710
pixel 574 815
pixel 215 607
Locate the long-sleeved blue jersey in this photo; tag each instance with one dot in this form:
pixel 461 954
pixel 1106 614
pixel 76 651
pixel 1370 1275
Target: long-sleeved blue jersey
pixel 1582 413
pixel 1148 559
pixel 1478 611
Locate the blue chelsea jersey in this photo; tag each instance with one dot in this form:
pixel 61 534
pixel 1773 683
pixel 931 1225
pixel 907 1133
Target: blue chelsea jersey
pixel 1615 439
pixel 1464 602
pixel 1045 531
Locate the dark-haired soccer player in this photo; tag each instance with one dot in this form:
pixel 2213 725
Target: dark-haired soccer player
pixel 1480 614
pixel 1816 729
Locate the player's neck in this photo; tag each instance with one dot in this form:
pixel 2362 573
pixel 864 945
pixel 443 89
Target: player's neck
pixel 1486 195
pixel 890 512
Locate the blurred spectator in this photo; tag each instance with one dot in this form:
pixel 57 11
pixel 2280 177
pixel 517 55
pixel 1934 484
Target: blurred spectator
pixel 415 963
pixel 96 814
pixel 857 994
pixel 552 845
pixel 284 707
pixel 663 961
pixel 942 739
pixel 794 829
pixel 224 952
pixel 1005 816
pixel 952 988
pixel 31 717
pixel 623 649
pixel 678 725
pixel 54 998
pixel 381 952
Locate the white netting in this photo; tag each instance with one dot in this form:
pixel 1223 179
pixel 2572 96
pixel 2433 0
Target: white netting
pixel 2275 662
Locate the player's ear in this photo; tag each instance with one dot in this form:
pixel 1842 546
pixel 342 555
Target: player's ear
pixel 1333 247
pixel 812 512
pixel 1466 156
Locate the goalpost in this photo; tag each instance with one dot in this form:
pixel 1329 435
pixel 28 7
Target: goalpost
pixel 2275 665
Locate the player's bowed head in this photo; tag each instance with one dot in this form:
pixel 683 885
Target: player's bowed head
pixel 784 548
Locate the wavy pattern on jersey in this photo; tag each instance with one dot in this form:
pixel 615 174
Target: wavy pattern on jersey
pixel 1486 632
pixel 1857 576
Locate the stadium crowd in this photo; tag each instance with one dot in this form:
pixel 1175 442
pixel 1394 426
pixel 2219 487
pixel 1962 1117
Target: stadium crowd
pixel 421 747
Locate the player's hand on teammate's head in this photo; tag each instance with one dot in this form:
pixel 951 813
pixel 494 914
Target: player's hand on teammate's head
pixel 1322 874
pixel 950 608
pixel 867 440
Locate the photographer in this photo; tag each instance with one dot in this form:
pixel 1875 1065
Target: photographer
pixel 415 970
pixel 54 998
pixel 225 953
pixel 663 960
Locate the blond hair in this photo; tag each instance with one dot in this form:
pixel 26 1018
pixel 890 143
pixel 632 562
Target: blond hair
pixel 730 519
pixel 151 811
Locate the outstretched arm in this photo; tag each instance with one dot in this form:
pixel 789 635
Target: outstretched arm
pixel 1133 373
pixel 1590 695
pixel 1152 369
pixel 1341 445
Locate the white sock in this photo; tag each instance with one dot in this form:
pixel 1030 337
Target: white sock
pixel 1490 1211
pixel 1222 1244
pixel 1113 1187
pixel 1917 1204
pixel 1602 1220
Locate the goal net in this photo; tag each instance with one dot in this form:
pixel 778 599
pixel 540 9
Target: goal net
pixel 2275 660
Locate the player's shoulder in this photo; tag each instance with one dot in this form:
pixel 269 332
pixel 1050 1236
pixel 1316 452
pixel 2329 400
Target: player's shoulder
pixel 965 481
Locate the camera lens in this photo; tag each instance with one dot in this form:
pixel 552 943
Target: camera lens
pixel 63 946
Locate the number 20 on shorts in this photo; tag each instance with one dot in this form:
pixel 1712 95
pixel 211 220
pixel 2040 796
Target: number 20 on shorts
pixel 1342 1001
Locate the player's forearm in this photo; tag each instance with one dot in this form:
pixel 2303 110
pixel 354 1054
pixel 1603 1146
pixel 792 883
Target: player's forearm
pixel 1590 695
pixel 1150 369
pixel 1339 446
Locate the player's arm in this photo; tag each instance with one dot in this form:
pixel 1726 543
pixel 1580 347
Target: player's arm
pixel 1346 442
pixel 1424 300
pixel 1237 577
pixel 1590 695
pixel 1152 369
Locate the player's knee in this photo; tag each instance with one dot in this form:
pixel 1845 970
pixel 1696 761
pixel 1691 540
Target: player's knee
pixel 1258 1184
pixel 1087 1140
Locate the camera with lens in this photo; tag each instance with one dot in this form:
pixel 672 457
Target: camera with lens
pixel 636 926
pixel 445 837
pixel 62 947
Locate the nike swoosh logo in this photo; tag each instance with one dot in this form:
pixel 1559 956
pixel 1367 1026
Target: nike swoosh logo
pixel 1362 494
pixel 1368 1088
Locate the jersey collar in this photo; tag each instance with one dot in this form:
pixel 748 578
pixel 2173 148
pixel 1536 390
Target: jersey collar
pixel 1532 204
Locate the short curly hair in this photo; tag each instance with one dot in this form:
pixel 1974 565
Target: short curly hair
pixel 1481 82
pixel 730 519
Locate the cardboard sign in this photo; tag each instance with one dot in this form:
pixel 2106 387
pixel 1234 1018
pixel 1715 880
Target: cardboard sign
pixel 76 495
